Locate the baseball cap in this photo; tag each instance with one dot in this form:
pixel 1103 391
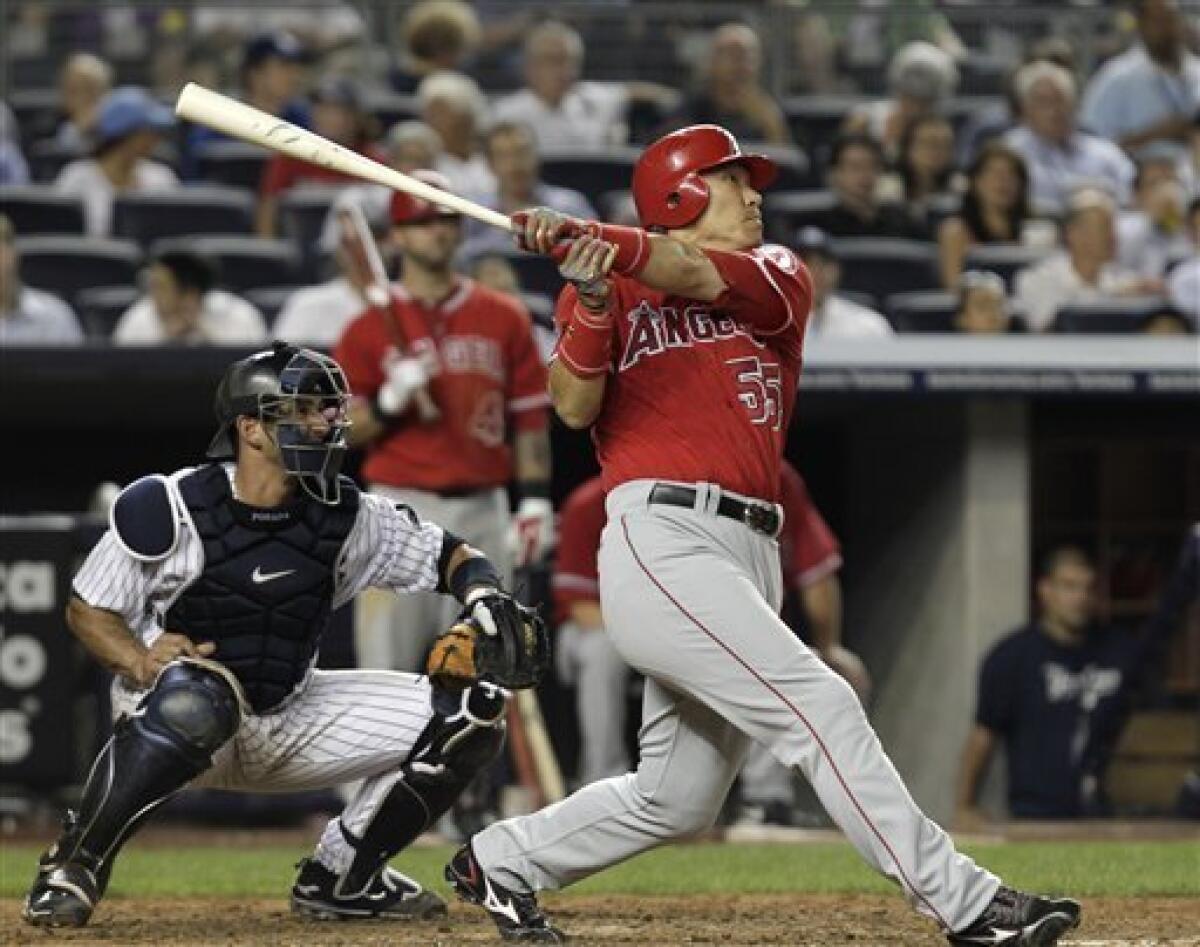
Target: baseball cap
pixel 407 209
pixel 814 240
pixel 338 90
pixel 278 45
pixel 130 109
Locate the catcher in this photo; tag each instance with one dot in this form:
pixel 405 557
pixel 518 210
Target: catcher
pixel 207 598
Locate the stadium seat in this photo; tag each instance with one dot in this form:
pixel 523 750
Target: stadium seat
pixel 1112 316
pixel 884 266
pixel 785 212
pixel 67 265
pixel 814 120
pixel 1006 260
pixel 302 213
pixel 592 172
pixel 245 262
pixel 231 162
pixel 39 209
pixel 924 311
pixel 942 206
pixel 390 108
pixel 194 209
pixel 37 110
pixel 101 307
pixel 982 73
pixel 537 274
pixel 47 159
pixel 541 308
pixel 961 109
pixel 269 300
pixel 795 170
pixel 856 296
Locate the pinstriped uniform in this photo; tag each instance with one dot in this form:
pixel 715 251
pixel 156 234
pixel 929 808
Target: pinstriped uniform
pixel 336 726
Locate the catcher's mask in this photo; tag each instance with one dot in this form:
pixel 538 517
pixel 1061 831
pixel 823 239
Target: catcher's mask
pixel 302 396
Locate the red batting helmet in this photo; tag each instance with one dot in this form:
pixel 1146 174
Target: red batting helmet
pixel 407 209
pixel 667 187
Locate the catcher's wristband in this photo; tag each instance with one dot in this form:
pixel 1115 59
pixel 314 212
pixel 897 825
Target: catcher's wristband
pixel 633 245
pixel 586 345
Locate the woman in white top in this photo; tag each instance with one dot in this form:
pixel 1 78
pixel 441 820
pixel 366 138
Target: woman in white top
pixel 128 129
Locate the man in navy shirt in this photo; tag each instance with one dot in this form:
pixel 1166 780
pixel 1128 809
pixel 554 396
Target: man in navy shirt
pixel 1053 694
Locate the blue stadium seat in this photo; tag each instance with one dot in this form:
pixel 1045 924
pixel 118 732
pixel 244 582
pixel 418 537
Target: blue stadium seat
pixel 537 274
pixel 302 213
pixel 269 300
pixel 193 209
pixel 1111 316
pixel 37 110
pixel 1004 259
pixel 67 265
pixel 231 162
pixel 814 120
pixel 592 172
pixel 785 212
pixel 47 159
pixel 101 307
pixel 390 108
pixel 39 209
pixel 245 262
pixel 923 311
pixel 885 266
pixel 795 170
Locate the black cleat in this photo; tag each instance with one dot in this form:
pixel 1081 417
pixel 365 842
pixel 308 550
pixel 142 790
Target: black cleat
pixel 390 896
pixel 62 896
pixel 516 915
pixel 1016 919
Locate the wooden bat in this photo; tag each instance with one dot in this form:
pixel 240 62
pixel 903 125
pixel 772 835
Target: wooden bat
pixel 238 120
pixel 364 255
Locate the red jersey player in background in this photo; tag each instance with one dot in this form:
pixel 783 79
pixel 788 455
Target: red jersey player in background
pixel 469 350
pixel 586 659
pixel 680 346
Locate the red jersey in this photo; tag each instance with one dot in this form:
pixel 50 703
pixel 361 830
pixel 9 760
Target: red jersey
pixel 809 550
pixel 703 391
pixel 490 373
pixel 284 171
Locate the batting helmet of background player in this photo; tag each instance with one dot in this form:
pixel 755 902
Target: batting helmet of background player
pixel 668 187
pixel 407 209
pixel 280 385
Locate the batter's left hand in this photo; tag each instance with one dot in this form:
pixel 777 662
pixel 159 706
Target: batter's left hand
pixel 539 229
pixel 531 532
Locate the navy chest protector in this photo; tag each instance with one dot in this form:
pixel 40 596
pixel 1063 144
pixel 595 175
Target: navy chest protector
pixel 265 594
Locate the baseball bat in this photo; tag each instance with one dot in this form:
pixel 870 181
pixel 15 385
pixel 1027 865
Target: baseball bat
pixel 357 240
pixel 238 120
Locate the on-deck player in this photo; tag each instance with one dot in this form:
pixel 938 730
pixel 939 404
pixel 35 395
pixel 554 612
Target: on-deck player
pixel 685 360
pixel 472 349
pixel 207 598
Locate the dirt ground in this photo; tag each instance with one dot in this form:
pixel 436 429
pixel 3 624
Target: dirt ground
pixel 817 920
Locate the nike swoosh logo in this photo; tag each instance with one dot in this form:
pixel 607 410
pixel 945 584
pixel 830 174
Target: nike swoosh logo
pixel 259 577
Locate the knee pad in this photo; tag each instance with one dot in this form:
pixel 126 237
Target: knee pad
pixel 192 709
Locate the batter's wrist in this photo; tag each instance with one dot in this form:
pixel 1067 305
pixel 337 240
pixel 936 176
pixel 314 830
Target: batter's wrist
pixel 585 348
pixel 633 245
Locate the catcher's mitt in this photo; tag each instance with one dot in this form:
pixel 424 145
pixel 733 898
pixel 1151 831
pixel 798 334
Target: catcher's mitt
pixel 515 657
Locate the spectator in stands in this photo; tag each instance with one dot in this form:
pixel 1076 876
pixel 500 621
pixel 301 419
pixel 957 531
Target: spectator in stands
pixel 732 94
pixel 564 111
pixel 129 127
pixel 1086 270
pixel 339 115
pixel 925 170
pixel 1183 282
pixel 512 156
pixel 856 164
pixel 1053 694
pixel 182 307
pixel 13 167
pixel 834 316
pixel 1152 234
pixel 995 209
pixel 271 77
pixel 982 304
pixel 921 77
pixel 1060 158
pixel 30 316
pixel 453 106
pixel 83 83
pixel 1150 94
pixel 438 36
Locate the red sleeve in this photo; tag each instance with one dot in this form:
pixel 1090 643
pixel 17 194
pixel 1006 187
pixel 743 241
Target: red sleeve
pixel 576 578
pixel 768 287
pixel 526 394
pixel 359 359
pixel 815 550
pixel 277 175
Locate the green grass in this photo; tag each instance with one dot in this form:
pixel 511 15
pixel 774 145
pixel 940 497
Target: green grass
pixel 1081 868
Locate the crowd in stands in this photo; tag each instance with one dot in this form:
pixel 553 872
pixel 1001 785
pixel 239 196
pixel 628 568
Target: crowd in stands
pixel 1073 189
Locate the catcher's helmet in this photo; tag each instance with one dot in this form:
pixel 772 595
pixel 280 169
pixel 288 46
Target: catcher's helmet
pixel 407 209
pixel 287 386
pixel 667 187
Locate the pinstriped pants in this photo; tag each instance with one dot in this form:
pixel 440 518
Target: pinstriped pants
pixel 691 600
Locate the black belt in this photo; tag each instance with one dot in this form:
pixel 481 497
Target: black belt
pixel 759 517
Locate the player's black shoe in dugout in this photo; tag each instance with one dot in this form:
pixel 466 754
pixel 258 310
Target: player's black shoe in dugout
pixel 1016 919
pixel 517 916
pixel 390 896
pixel 62 896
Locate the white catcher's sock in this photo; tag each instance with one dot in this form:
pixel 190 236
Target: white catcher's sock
pixel 333 851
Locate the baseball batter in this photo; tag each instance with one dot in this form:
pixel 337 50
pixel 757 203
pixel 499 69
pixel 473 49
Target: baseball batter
pixel 207 598
pixel 471 351
pixel 681 347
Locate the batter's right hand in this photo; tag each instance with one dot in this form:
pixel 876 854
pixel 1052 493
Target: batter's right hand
pixel 167 648
pixel 539 229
